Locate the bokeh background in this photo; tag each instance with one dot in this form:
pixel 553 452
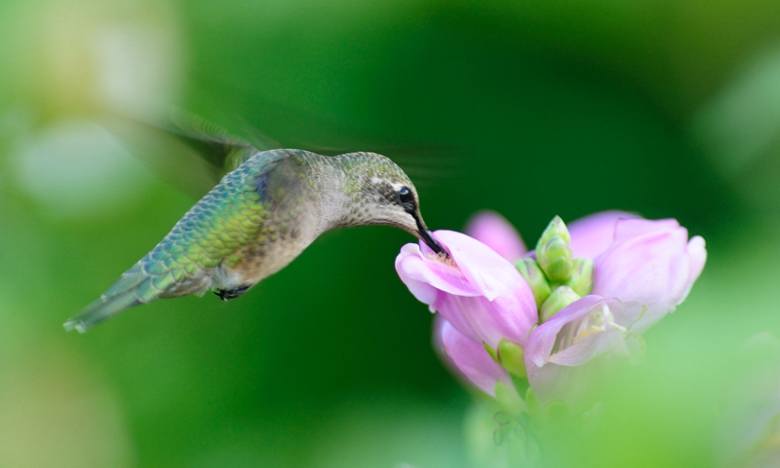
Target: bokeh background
pixel 533 108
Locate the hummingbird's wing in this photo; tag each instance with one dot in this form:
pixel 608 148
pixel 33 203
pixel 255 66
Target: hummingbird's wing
pixel 193 153
pixel 209 235
pixel 188 151
pixel 215 145
pixel 220 148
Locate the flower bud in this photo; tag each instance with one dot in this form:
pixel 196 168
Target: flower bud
pixel 581 280
pixel 510 356
pixel 561 297
pixel 535 278
pixel 553 251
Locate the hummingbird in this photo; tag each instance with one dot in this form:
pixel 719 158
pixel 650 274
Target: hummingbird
pixel 258 218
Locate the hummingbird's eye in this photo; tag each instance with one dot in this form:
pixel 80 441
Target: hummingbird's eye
pixel 406 197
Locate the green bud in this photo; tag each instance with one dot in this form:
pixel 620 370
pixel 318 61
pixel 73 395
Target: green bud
pixel 535 278
pixel 510 356
pixel 560 298
pixel 556 228
pixel 553 252
pixel 582 276
pixel 492 352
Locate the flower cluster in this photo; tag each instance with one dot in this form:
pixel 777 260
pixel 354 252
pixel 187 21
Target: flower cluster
pixel 504 313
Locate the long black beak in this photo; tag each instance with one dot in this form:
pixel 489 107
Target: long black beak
pixel 425 235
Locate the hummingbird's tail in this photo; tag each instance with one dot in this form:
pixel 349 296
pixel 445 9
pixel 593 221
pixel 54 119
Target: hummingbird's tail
pixel 133 288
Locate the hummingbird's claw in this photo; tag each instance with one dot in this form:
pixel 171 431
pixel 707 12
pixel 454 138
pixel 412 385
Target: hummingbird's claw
pixel 228 294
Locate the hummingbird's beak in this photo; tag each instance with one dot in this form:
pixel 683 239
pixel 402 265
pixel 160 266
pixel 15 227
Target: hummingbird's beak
pixel 426 237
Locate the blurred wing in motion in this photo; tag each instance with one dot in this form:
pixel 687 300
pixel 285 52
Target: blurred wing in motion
pixel 193 154
pixel 220 149
pixel 189 152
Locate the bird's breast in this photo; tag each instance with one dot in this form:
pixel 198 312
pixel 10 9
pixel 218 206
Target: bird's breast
pixel 277 245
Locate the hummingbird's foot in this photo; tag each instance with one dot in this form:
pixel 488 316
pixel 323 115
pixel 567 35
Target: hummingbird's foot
pixel 228 294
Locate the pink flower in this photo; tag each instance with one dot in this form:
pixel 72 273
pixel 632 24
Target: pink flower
pixel 476 290
pixel 651 264
pixel 641 270
pixel 496 232
pixel 645 270
pixel 468 357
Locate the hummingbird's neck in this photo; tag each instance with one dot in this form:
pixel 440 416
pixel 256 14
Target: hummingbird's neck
pixel 334 187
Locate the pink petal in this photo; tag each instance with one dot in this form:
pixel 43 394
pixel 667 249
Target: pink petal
pixel 487 271
pixel 479 292
pixel 591 235
pixel 413 266
pixel 573 337
pixel 697 253
pixel 540 344
pixel 651 264
pixel 496 232
pixel 697 257
pixel 630 228
pixel 650 269
pixel 488 321
pixel 468 357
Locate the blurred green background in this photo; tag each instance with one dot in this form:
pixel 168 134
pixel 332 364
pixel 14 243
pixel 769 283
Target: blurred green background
pixel 534 108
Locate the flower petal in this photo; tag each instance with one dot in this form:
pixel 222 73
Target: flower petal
pixel 651 269
pixel 486 270
pixel 479 292
pixel 496 232
pixel 591 235
pixel 629 228
pixel 488 321
pixel 468 358
pixel 542 342
pixel 558 349
pixel 591 329
pixel 414 267
pixel 697 257
pixel 652 265
pixel 697 253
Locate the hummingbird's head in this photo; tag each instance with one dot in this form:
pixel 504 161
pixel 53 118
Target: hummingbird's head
pixel 382 193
